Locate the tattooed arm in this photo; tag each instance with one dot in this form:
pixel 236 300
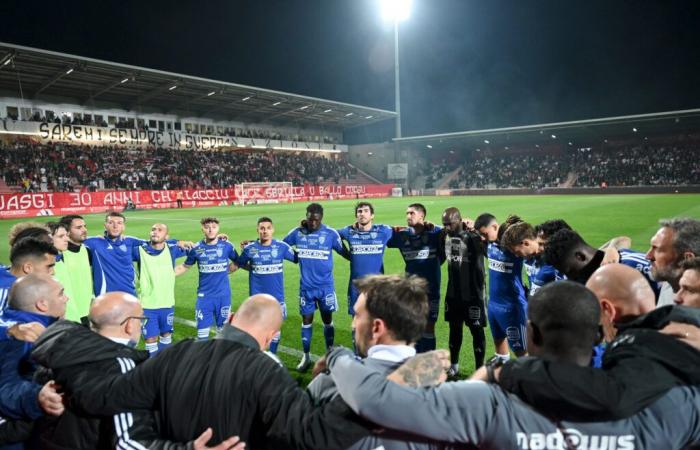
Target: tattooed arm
pixel 453 412
pixel 425 369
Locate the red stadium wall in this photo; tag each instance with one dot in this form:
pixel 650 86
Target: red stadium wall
pixel 60 203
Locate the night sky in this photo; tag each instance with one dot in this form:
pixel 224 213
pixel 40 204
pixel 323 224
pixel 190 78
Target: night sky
pixel 465 65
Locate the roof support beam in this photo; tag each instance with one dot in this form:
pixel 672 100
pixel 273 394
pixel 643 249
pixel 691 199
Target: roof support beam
pixel 6 59
pixel 155 92
pixel 53 79
pixel 109 87
pixel 201 97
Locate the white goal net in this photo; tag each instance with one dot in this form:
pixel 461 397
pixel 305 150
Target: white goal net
pixel 261 193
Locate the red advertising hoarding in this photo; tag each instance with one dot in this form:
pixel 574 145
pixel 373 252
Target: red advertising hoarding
pixel 18 205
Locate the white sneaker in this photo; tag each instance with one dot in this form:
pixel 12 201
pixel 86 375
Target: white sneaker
pixel 305 363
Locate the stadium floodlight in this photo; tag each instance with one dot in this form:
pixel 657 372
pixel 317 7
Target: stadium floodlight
pixel 69 71
pixel 634 129
pixel 276 103
pixel 245 99
pixel 554 136
pixel 486 141
pixel 429 146
pixel 173 87
pixel 211 93
pixel 349 114
pixel 369 117
pixel 124 80
pixel 395 10
pixel 328 110
pixel 304 107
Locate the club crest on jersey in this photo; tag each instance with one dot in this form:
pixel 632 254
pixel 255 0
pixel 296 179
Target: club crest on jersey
pixel 274 252
pixel 219 252
pixel 321 239
pixel 122 247
pixel 373 235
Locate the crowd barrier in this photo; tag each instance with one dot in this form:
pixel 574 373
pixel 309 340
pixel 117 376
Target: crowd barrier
pixel 20 205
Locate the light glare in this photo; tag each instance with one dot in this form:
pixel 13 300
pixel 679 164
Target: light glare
pixel 395 10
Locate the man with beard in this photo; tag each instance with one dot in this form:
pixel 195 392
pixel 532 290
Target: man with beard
pixel 77 261
pixel 678 239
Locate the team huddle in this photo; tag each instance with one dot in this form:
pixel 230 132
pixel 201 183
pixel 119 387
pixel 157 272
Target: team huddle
pixel 588 317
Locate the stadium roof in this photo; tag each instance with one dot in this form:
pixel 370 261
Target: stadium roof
pixel 579 132
pixel 52 76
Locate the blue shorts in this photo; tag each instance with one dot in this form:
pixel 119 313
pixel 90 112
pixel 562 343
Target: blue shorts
pixel 212 310
pixel 434 309
pixel 508 322
pixel 324 299
pixel 160 321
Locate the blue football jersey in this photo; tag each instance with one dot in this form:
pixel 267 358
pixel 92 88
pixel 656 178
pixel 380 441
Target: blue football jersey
pixel 505 276
pixel 638 261
pixel 112 265
pixel 212 261
pixel 421 255
pixel 265 263
pixel 366 249
pixel 315 255
pixel 539 273
pixel 6 282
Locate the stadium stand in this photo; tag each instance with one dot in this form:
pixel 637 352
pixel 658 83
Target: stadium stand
pixel 641 165
pixel 92 120
pixel 61 167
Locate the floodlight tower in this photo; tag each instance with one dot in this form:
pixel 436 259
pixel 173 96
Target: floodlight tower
pixel 396 11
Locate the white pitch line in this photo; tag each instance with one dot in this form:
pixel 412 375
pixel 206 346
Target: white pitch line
pixel 281 348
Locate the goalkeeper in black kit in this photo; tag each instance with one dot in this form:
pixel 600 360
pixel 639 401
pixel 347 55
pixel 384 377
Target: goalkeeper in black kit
pixel 464 301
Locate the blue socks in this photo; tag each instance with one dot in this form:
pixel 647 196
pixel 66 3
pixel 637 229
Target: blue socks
pixel 306 332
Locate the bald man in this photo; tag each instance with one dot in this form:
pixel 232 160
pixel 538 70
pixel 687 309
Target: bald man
pixel 228 384
pixel 33 298
pixel 156 286
pixel 623 293
pixel 115 319
pixel 639 364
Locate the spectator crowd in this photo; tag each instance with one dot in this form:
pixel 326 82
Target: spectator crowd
pixel 647 165
pixel 62 167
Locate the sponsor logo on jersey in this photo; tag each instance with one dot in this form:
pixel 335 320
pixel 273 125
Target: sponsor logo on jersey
pixel 500 266
pixel 573 438
pixel 267 269
pixel 367 249
pixel 308 253
pixel 213 268
pixel 454 258
pixel 424 253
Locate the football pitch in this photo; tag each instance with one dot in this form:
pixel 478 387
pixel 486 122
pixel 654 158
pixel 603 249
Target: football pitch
pixel 596 218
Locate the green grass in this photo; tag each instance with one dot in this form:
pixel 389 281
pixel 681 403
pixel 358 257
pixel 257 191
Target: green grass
pixel 597 218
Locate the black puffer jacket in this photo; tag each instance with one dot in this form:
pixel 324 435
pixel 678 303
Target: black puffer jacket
pixel 227 384
pixel 74 352
pixel 639 366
